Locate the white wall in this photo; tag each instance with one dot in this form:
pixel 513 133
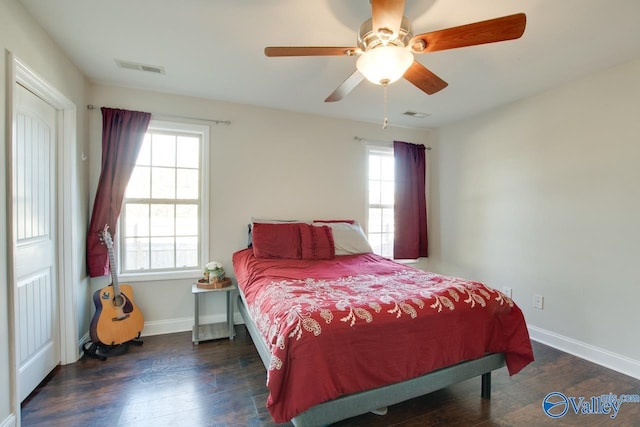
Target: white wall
pixel 539 196
pixel 543 196
pixel 266 163
pixel 20 35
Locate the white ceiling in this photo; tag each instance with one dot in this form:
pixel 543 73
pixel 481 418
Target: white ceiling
pixel 214 49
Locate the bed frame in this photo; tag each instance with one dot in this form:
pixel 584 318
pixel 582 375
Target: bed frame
pixel 366 401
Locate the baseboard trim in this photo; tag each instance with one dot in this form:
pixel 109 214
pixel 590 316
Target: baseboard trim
pixel 170 326
pixel 85 338
pixel 608 359
pixel 10 421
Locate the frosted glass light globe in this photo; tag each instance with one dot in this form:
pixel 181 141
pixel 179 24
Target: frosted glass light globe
pixel 385 64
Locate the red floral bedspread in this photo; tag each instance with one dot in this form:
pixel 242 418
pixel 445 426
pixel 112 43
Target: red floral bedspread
pixel 357 322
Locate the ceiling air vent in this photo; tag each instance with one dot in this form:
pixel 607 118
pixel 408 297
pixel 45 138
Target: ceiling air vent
pixel 140 67
pixel 416 114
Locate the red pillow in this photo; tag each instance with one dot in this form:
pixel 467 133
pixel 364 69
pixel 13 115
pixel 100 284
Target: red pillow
pixel 317 242
pixel 276 240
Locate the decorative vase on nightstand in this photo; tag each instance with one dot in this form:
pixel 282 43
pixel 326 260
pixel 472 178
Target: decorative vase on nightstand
pixel 214 277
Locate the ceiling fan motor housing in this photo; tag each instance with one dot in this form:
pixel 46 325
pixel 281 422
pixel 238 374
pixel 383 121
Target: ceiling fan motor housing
pixel 368 38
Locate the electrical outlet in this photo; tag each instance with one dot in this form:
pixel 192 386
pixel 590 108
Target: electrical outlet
pixel 538 302
pixel 507 291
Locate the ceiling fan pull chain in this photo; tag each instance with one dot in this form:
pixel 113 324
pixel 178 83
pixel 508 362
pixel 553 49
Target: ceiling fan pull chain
pixel 386 121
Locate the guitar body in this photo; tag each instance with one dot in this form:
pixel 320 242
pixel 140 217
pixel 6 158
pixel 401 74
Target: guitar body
pixel 117 319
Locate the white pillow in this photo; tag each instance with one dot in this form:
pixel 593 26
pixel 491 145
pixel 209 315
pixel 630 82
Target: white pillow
pixel 349 239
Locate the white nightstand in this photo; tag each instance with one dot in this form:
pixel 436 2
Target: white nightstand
pixel 212 331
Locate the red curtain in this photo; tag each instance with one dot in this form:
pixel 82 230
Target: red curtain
pixel 122 136
pixel 410 210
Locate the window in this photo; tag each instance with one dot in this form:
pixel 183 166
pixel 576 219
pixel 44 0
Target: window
pixel 163 219
pixel 381 196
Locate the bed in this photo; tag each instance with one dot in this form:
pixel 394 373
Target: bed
pixel 343 331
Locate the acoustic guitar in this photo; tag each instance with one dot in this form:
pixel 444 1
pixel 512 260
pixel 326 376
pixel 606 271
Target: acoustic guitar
pixel 117 319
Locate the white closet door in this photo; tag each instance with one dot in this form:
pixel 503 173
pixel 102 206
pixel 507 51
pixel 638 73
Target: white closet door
pixel 34 207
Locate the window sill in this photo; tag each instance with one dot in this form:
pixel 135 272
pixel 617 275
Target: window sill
pixel 407 261
pixel 156 276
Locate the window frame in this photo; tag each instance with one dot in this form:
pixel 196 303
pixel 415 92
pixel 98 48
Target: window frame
pixel 203 211
pixel 380 150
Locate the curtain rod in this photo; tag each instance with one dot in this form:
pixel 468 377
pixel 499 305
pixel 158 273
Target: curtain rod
pixel 224 122
pixel 378 141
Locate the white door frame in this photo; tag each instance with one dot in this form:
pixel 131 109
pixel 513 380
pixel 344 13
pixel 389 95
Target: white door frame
pixel 67 267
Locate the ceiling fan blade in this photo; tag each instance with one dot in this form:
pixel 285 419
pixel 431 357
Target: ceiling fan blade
pixel 491 31
pixel 310 51
pixel 386 16
pixel 346 87
pixel 424 79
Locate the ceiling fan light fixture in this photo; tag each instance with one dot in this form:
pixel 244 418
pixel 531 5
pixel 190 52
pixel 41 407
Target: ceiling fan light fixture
pixel 384 64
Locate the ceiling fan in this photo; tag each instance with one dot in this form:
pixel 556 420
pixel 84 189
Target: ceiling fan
pixel 386 46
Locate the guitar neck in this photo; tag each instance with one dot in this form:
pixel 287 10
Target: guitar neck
pixel 114 272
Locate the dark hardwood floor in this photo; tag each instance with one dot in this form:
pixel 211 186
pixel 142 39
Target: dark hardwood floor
pixel 169 382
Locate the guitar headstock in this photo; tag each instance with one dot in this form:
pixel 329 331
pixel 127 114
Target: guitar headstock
pixel 105 236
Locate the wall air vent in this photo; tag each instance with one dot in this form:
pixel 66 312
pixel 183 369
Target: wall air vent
pixel 416 114
pixel 129 65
